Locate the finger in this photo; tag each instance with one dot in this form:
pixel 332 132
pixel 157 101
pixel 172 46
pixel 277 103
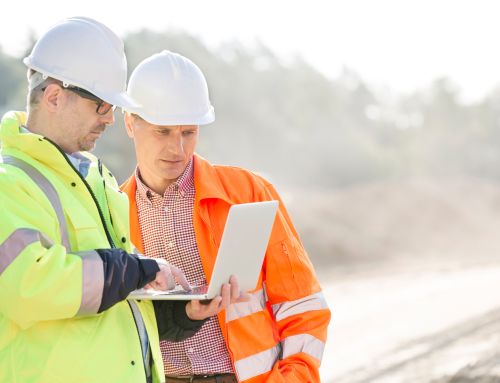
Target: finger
pixel 154 285
pixel 243 297
pixel 214 307
pixel 203 309
pixel 170 281
pixel 147 287
pixel 226 296
pixel 160 283
pixel 165 277
pixel 181 279
pixel 235 288
pixel 195 304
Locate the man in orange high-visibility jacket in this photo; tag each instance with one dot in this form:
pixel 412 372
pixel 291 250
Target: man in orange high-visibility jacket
pixel 280 334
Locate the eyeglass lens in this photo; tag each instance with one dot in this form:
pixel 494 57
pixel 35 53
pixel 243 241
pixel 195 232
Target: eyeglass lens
pixel 104 107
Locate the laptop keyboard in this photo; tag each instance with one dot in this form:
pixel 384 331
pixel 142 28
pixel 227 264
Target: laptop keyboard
pixel 200 290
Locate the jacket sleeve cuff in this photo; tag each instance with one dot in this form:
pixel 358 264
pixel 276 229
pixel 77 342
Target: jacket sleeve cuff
pixel 181 318
pixel 150 266
pixel 148 269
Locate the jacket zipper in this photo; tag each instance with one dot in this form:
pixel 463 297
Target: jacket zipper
pixel 108 236
pixel 103 221
pixel 288 257
pixel 211 232
pixel 99 165
pixel 140 341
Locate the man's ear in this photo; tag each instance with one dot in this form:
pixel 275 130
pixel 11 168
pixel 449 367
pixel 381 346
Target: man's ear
pixel 52 97
pixel 129 124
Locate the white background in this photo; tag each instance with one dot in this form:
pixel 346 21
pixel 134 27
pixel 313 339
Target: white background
pixel 402 45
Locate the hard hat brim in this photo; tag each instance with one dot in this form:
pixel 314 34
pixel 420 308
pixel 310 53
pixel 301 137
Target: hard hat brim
pixel 174 119
pixel 121 99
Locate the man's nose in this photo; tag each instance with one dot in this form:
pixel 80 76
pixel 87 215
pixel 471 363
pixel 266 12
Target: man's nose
pixel 175 145
pixel 108 118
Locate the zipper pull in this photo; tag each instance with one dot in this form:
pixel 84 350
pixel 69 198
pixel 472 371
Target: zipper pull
pixel 284 249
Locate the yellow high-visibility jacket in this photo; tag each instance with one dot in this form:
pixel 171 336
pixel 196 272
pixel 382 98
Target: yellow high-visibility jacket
pixel 52 279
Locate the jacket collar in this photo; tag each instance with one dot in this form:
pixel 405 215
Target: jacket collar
pixel 207 182
pixel 33 145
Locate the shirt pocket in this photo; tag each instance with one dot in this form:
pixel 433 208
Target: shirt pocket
pixel 86 233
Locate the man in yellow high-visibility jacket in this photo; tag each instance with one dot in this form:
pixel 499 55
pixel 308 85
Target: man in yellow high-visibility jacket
pixel 66 261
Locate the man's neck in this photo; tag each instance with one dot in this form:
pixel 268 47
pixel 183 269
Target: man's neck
pixel 157 184
pixel 34 127
pixel 43 128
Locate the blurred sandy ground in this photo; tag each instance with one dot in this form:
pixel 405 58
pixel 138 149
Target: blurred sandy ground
pixel 414 288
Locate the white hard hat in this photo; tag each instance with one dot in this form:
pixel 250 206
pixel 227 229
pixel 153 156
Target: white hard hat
pixel 85 53
pixel 172 91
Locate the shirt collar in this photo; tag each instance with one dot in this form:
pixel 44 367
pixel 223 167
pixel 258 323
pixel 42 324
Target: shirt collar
pixel 185 183
pixel 82 163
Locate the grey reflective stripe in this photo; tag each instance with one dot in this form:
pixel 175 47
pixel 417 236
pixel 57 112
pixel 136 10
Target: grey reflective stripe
pixel 240 310
pixel 303 343
pixel 311 302
pixel 15 244
pixel 143 335
pixel 257 364
pixel 92 282
pixel 49 190
pixel 45 240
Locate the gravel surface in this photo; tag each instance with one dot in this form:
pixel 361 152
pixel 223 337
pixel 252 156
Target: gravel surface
pixel 415 326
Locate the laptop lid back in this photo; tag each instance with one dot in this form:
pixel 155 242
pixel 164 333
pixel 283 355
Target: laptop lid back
pixel 243 245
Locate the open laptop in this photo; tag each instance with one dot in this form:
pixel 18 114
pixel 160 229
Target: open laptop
pixel 241 253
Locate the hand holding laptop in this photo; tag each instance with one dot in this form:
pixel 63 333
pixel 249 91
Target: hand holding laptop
pixel 198 310
pixel 241 252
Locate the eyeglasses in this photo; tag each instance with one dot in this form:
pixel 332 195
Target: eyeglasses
pixel 103 107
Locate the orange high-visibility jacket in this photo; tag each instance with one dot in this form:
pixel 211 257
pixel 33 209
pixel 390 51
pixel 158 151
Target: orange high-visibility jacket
pixel 280 335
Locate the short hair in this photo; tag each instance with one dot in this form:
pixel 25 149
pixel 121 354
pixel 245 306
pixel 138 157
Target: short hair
pixel 36 94
pixel 135 117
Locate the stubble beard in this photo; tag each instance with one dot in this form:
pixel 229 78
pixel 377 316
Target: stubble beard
pixel 86 145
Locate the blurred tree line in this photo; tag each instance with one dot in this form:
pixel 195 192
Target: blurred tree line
pixel 293 125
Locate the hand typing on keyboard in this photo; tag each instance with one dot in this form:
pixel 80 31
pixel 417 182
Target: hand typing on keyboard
pixel 166 277
pixel 194 291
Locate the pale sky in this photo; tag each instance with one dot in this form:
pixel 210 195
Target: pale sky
pixel 397 44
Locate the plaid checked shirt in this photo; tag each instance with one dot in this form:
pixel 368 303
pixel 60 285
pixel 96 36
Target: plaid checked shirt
pixel 167 231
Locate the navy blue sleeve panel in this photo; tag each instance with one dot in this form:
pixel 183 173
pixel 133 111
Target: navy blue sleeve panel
pixel 173 323
pixel 124 273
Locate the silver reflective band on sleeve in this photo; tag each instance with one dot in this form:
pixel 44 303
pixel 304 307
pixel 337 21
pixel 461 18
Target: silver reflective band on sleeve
pixel 49 190
pixel 15 244
pixel 303 343
pixel 239 310
pixel 257 364
pixel 92 282
pixel 310 303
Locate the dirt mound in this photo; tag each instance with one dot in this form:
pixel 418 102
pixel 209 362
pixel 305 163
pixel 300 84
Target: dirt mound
pixel 418 220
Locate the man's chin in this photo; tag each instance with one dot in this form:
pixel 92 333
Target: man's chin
pixel 170 174
pixel 88 146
